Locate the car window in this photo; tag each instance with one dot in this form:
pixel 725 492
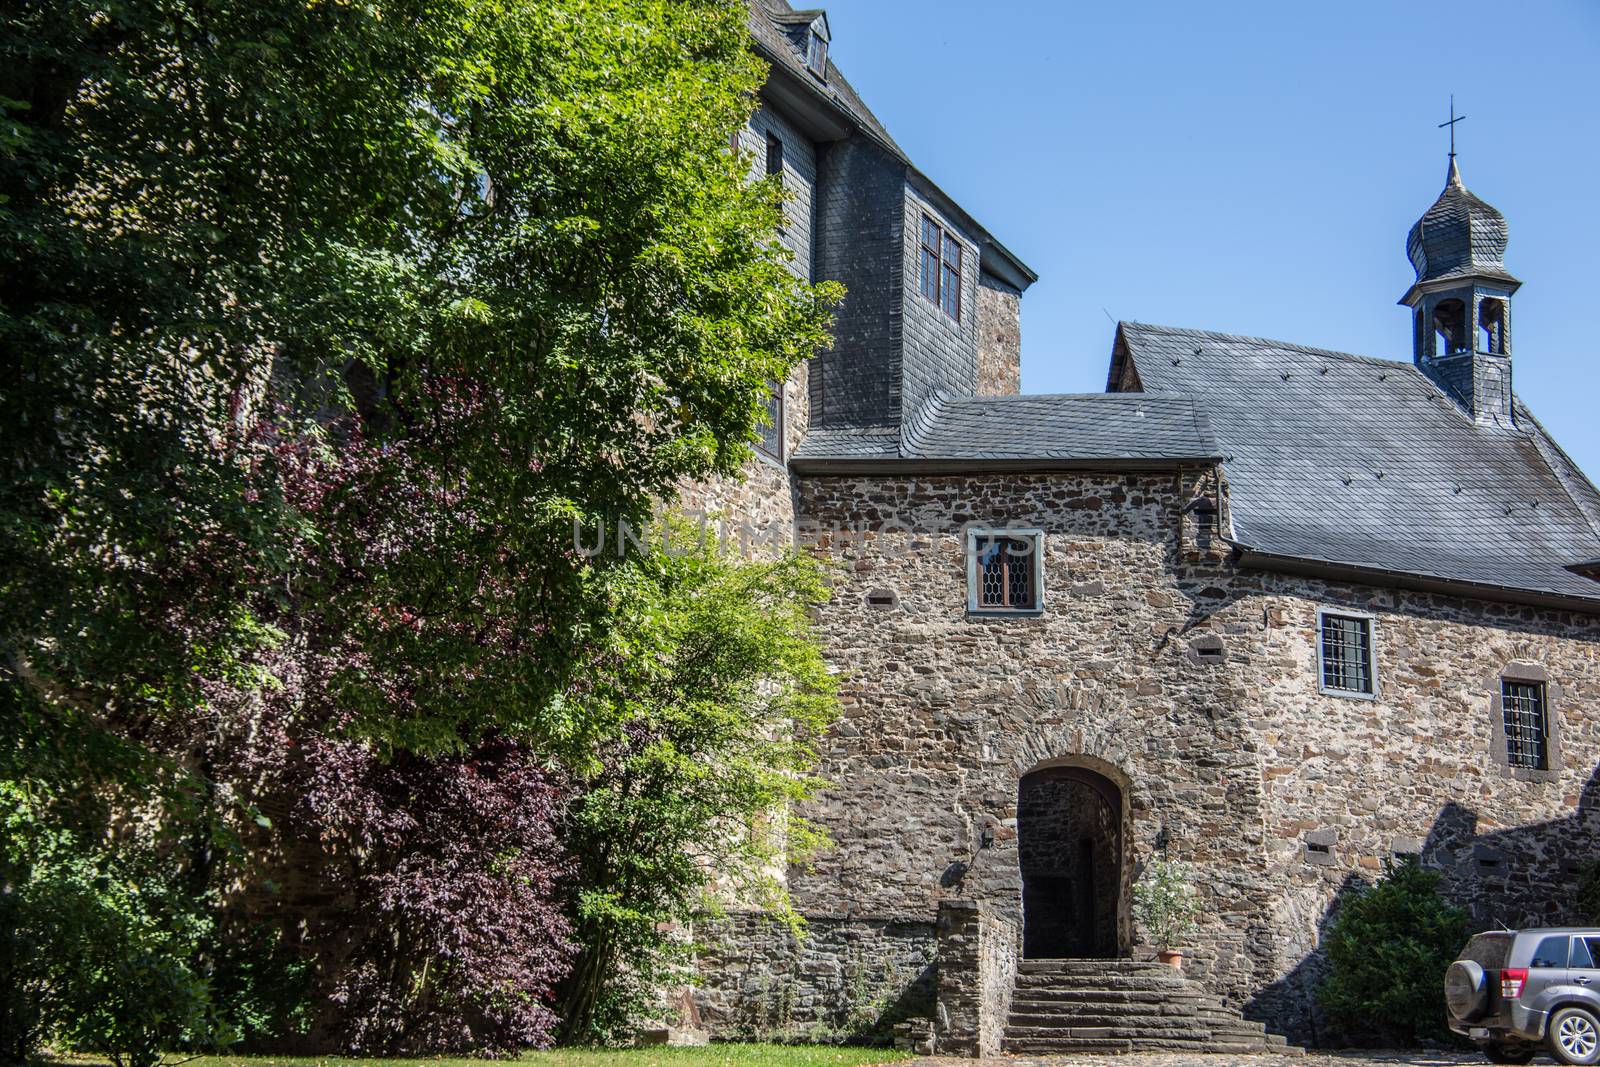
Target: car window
pixel 1552 952
pixel 1489 951
pixel 1582 956
pixel 1591 945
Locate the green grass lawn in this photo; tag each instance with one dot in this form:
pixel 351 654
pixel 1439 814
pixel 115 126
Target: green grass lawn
pixel 719 1055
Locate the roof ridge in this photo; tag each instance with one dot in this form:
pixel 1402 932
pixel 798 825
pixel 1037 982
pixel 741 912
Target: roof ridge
pixel 1127 397
pixel 1241 338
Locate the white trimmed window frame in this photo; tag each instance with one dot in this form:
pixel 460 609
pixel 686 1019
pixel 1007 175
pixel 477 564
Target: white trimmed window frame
pixel 1372 653
pixel 975 578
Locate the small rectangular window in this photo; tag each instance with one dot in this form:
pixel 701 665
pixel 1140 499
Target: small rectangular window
pixel 1004 571
pixel 774 154
pixel 771 440
pixel 1345 650
pixel 1522 708
pixel 941 268
pixel 817 55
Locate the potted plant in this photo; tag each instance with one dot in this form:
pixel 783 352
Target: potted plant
pixel 1166 905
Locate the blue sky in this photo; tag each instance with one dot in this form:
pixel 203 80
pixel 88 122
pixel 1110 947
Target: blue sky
pixel 1253 167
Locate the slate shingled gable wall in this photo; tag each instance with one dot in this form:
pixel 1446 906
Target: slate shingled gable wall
pixel 799 178
pixel 860 242
pixel 940 352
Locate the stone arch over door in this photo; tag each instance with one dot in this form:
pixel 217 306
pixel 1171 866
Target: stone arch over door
pixel 1072 850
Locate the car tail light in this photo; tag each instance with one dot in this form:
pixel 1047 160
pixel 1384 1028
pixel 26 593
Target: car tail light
pixel 1512 979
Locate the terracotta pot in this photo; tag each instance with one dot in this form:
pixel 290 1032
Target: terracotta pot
pixel 1172 957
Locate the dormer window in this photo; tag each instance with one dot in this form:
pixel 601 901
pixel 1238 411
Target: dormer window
pixel 817 54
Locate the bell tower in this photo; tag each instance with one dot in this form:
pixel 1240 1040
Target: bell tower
pixel 1461 300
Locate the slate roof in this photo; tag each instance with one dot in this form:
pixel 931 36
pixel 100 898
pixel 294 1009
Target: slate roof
pixel 767 21
pixel 766 17
pixel 1041 430
pixel 1459 236
pixel 1365 463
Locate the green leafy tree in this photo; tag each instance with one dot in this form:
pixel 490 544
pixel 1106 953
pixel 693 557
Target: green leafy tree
pixel 324 322
pixel 1388 950
pixel 719 689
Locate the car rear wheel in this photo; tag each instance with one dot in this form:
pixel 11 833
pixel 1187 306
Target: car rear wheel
pixel 1499 1053
pixel 1575 1036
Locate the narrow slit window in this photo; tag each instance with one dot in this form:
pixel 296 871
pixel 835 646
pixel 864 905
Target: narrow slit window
pixel 1527 726
pixel 774 154
pixel 771 439
pixel 941 268
pixel 1346 654
pixel 1005 572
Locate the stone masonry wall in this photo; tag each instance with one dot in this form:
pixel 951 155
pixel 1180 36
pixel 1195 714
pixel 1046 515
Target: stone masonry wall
pixel 840 979
pixel 999 338
pixel 1232 760
pixel 755 514
pixel 977 966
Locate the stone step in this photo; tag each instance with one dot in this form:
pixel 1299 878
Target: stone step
pixel 1091 1045
pixel 1109 1032
pixel 1110 1006
pixel 1101 1026
pixel 1079 966
pixel 1181 1000
pixel 1132 982
pixel 1215 1023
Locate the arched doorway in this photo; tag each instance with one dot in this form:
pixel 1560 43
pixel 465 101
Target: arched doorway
pixel 1070 845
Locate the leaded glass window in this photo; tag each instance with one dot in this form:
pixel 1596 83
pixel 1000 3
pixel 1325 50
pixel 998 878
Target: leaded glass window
pixel 1522 707
pixel 1005 572
pixel 1347 654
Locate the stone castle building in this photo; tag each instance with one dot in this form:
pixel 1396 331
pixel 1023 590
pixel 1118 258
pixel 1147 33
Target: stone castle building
pixel 1283 613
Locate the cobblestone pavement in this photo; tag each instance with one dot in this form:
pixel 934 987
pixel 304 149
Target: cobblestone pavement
pixel 1182 1059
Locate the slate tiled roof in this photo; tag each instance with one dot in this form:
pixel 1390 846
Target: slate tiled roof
pixel 1459 236
pixel 1068 428
pixel 1364 462
pixel 765 19
pixel 768 21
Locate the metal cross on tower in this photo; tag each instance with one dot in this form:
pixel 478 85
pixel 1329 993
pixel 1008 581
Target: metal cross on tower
pixel 1454 118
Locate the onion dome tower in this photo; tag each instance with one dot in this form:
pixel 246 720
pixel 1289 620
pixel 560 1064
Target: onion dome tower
pixel 1461 300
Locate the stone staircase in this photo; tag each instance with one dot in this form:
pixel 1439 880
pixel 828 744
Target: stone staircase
pixel 1060 1006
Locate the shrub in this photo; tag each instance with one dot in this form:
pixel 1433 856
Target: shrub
pixel 98 946
pixel 1387 953
pixel 1164 901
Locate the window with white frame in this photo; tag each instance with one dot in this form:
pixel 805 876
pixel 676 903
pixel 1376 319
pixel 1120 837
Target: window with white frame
pixel 1005 571
pixel 1344 653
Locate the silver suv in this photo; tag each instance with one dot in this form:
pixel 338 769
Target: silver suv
pixel 1513 990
